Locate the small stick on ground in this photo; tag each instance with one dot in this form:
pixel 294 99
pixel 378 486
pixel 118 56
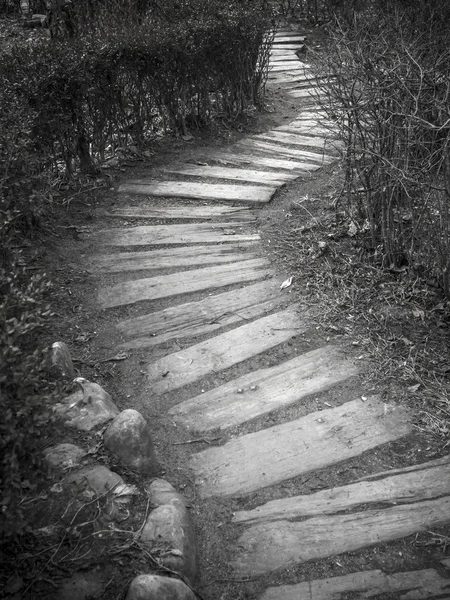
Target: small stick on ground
pixel 198 440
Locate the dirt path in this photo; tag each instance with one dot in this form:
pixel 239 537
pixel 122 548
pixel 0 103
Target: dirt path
pixel 224 352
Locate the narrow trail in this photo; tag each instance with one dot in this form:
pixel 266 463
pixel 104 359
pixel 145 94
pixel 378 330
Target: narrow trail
pixel 212 251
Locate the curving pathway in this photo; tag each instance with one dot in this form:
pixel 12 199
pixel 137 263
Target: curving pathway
pixel 210 251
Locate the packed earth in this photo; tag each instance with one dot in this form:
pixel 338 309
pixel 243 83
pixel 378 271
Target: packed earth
pixel 229 432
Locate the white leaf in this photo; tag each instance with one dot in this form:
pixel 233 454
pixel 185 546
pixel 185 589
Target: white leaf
pixel 286 283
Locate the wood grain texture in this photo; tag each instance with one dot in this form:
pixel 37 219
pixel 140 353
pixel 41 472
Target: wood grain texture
pixel 187 233
pixel 295 139
pixel 199 191
pixel 250 175
pixel 185 282
pixel 269 162
pixel 402 488
pixel 412 585
pixel 286 68
pixel 264 390
pixel 264 458
pixel 283 544
pixel 169 258
pixel 309 93
pixel 289 39
pixel 223 351
pixel 204 316
pixel 278 149
pixel 180 212
pixel 287 56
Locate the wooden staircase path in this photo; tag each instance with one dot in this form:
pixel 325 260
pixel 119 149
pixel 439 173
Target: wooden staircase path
pixel 223 304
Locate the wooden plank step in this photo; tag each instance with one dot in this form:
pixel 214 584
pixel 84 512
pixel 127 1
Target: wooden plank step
pixel 186 233
pixel 282 544
pixel 286 68
pixel 199 191
pixel 204 316
pixel 260 146
pixel 288 46
pixel 185 282
pixel 287 32
pixel 181 212
pixel 278 64
pixel 304 93
pixel 269 162
pixel 223 351
pixel 249 175
pixel 320 439
pixel 169 258
pixel 409 585
pixel 425 483
pixel 311 131
pixel 295 140
pixel 288 56
pixel 277 50
pixel 288 39
pixel 264 390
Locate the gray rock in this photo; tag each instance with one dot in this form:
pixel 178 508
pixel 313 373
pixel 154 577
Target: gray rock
pixel 128 437
pixel 64 456
pixel 84 585
pixel 60 362
pixel 97 479
pixel 83 487
pixel 156 587
pixel 88 407
pixel 169 528
pixel 162 492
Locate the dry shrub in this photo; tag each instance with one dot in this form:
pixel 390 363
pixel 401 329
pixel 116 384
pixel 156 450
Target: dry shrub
pixel 387 89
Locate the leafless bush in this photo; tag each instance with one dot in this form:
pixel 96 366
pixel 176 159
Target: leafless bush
pixel 388 90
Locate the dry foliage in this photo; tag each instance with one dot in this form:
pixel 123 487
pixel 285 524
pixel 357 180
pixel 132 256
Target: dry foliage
pixel 386 87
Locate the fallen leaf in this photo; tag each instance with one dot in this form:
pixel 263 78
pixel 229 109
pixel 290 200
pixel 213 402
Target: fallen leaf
pixel 352 229
pixel 418 314
pixel 414 388
pixel 286 283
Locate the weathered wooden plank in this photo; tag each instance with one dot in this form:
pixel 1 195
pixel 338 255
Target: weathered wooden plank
pixel 288 46
pixel 223 351
pixel 288 39
pixel 205 316
pixel 295 140
pixel 165 286
pixel 255 144
pixel 250 175
pixel 308 130
pixel 264 161
pixel 187 233
pixel 264 390
pixel 180 212
pixel 444 460
pixel 286 68
pixel 286 32
pixel 260 459
pixel 310 93
pixel 403 488
pixel 408 585
pixel 186 256
pixel 282 51
pixel 282 544
pixel 288 56
pixel 199 191
pixel 278 64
